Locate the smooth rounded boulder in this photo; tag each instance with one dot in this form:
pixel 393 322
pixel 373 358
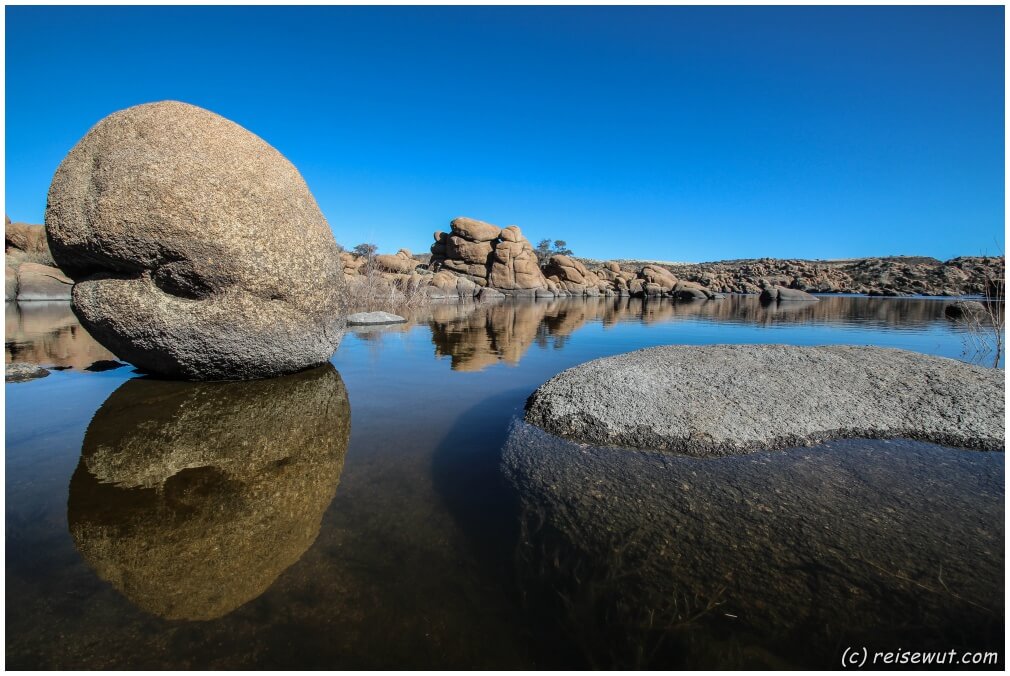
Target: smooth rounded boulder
pixel 717 400
pixel 197 249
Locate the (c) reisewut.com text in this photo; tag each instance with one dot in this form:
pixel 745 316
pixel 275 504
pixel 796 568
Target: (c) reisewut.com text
pixel 862 657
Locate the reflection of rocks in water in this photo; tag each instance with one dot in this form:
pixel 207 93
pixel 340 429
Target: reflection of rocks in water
pixel 49 334
pixel 868 312
pixel 191 499
pixel 772 560
pixel 477 336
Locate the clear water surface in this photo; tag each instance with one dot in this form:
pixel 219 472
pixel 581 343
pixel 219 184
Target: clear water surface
pixel 392 511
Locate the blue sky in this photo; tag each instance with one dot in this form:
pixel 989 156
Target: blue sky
pixel 669 133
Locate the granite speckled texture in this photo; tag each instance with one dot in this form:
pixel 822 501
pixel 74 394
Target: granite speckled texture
pixel 724 399
pixel 197 249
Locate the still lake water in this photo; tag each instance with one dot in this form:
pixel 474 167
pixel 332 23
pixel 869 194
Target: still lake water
pixel 392 510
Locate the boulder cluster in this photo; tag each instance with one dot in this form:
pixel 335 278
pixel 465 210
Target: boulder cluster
pixel 887 276
pixel 489 256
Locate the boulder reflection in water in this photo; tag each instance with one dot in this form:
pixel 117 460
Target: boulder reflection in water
pixel 477 336
pixel 191 499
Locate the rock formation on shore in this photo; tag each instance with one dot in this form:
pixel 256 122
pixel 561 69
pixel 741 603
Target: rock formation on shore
pixel 30 274
pixel 197 249
pixel 771 294
pixel 190 499
pixel 722 399
pixel 887 276
pixel 489 256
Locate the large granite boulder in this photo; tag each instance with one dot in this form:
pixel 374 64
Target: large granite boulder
pixel 401 262
pixel 474 230
pixel 197 248
pixel 514 266
pixel 190 499
pixel 476 253
pixel 663 278
pixel 726 399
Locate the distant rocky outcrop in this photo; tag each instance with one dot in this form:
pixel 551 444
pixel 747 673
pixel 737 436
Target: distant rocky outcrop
pixel 401 262
pixel 228 269
pixel 569 275
pixel 489 256
pixel 503 259
pixel 887 276
pixel 42 282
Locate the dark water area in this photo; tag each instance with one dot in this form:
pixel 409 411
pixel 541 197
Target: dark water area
pixel 391 510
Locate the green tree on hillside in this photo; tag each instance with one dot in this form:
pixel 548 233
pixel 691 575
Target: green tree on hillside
pixel 366 250
pixel 545 249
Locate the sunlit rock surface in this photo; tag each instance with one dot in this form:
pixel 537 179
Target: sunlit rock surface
pixel 706 400
pixel 191 499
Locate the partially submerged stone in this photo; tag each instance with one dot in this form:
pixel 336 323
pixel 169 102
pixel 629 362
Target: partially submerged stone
pixel 724 399
pixel 782 293
pixel 197 249
pixel 20 373
pixel 369 318
pixel 964 309
pixel 792 553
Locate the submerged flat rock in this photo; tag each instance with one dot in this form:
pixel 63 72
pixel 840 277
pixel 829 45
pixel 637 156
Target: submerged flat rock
pixel 726 399
pixel 369 318
pixel 767 560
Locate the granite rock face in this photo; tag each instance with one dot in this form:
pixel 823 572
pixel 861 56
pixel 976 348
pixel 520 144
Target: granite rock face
pixel 42 282
pixel 726 399
pixel 27 238
pixel 882 276
pixel 514 265
pixel 401 262
pixel 197 249
pixel 191 498
pixel 487 255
